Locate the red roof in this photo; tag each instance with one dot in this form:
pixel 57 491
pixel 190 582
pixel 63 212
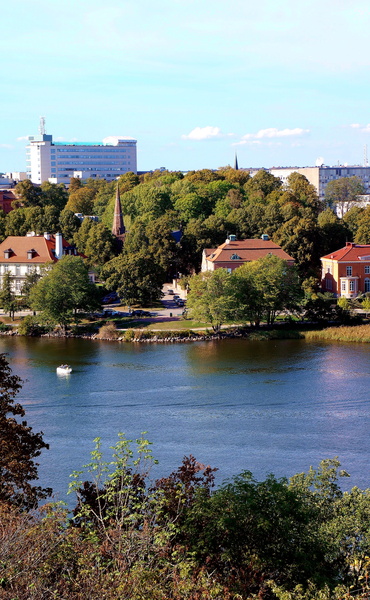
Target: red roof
pixel 245 250
pixel 350 253
pixel 22 245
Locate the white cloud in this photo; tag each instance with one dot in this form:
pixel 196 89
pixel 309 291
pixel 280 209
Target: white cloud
pixel 362 128
pixel 7 146
pixel 22 138
pixel 205 133
pixel 273 132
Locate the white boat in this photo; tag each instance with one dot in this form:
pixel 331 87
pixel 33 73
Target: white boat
pixel 64 370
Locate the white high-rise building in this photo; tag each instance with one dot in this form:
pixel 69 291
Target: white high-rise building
pixel 59 161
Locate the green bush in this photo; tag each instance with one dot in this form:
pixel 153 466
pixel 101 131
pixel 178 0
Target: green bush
pixel 30 326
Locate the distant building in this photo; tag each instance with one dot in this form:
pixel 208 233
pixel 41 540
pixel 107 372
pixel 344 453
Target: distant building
pixel 233 253
pixel 20 255
pixel 6 199
pixel 59 161
pixel 346 272
pixel 321 176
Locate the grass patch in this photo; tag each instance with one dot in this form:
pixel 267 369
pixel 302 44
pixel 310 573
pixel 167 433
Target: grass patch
pixel 176 325
pixel 357 333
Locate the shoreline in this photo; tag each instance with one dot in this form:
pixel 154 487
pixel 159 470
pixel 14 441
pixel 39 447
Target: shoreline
pixel 283 331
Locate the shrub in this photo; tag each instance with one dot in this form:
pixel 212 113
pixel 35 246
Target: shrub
pixel 109 332
pixel 30 326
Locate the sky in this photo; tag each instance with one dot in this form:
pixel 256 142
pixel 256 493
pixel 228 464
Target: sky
pixel 279 83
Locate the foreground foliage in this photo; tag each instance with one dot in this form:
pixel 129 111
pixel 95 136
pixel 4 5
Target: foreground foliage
pixel 180 538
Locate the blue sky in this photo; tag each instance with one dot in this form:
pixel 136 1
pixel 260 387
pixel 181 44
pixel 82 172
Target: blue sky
pixel 280 83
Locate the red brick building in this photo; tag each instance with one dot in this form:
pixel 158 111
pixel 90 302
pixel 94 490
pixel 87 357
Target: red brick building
pixel 346 272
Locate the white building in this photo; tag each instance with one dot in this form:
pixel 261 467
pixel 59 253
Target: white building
pixel 321 176
pixel 59 161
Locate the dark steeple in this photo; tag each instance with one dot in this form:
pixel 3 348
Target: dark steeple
pixel 118 228
pixel 236 166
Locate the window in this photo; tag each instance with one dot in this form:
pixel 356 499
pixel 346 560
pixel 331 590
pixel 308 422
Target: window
pixel 343 286
pixel 349 271
pixel 351 286
pixel 329 284
pixel 328 270
pixel 367 285
pixel 367 270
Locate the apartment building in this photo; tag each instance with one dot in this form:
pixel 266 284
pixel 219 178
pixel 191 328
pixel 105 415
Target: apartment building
pixel 321 176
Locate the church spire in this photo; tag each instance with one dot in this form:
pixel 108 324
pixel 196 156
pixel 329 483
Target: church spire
pixel 236 166
pixel 118 228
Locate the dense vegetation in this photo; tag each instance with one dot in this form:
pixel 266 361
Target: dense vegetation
pixel 178 537
pixel 170 218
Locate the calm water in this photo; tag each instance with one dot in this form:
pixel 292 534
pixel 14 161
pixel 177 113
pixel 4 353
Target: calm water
pixel 263 406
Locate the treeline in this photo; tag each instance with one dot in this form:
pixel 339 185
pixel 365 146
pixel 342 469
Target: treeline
pixel 204 205
pixel 170 218
pixel 130 537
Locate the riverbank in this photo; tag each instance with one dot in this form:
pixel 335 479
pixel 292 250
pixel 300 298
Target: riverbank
pixel 279 331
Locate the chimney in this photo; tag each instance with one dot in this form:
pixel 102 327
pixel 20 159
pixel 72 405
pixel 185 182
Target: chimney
pixel 58 246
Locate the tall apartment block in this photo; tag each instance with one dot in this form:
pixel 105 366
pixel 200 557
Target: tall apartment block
pixel 59 161
pixel 320 176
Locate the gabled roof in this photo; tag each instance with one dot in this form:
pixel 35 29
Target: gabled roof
pixel 21 245
pixel 245 250
pixel 350 253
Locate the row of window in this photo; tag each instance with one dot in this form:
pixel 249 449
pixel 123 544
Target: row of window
pixel 349 270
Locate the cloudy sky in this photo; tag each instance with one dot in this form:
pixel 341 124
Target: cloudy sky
pixel 280 83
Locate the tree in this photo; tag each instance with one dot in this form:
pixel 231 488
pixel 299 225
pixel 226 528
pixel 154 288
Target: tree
pixel 64 289
pixel 54 194
pixel 211 298
pixel 29 282
pixel 7 296
pixel 136 278
pixel 19 447
pixel 363 231
pixel 343 192
pixel 99 244
pixel 69 224
pixel 82 200
pixel 265 287
pixel 27 193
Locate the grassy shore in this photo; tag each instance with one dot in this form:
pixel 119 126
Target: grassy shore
pixel 357 333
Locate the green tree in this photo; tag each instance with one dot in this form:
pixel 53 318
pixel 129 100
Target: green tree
pixel 333 232
pixel 69 224
pixel 136 278
pixel 82 200
pixel 30 281
pixel 211 298
pixel 28 194
pixel 363 230
pixel 264 288
pixel 63 290
pixel 343 192
pixel 99 247
pixel 16 222
pixel 54 194
pixel 7 296
pixel 19 447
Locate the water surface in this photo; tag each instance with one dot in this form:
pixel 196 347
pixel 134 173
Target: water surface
pixel 262 406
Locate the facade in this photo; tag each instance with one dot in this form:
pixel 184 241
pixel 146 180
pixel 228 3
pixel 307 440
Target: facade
pixel 233 253
pixel 21 255
pixel 346 272
pixel 59 161
pixel 6 199
pixel 320 176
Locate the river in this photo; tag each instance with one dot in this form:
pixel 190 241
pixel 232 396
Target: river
pixel 234 404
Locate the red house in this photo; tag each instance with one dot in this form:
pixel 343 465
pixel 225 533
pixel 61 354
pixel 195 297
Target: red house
pixel 346 272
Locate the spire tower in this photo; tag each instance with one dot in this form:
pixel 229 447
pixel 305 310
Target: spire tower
pixel 118 227
pixel 236 166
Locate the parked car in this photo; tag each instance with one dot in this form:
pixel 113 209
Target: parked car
pixel 176 297
pixel 180 302
pixel 141 313
pixel 170 292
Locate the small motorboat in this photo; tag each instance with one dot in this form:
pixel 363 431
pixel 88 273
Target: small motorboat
pixel 64 370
